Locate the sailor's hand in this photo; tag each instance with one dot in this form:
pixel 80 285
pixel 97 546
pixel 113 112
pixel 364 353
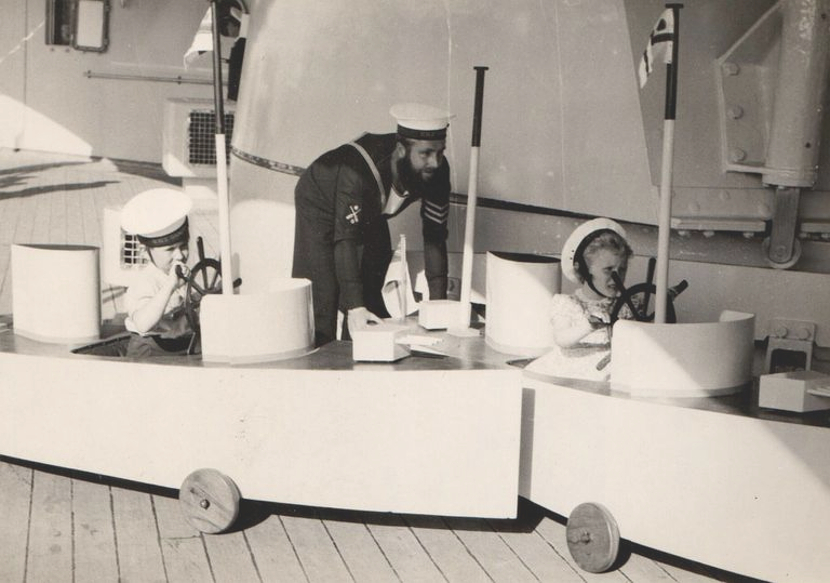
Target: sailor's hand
pixel 360 318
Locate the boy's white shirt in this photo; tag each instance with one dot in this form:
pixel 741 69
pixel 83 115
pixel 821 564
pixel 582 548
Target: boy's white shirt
pixel 173 322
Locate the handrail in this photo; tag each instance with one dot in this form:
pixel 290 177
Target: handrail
pixel 178 79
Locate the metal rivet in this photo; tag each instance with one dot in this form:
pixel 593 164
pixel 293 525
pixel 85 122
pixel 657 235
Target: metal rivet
pixel 735 112
pixel 730 68
pixel 736 155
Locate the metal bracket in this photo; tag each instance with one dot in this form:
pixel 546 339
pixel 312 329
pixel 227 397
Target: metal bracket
pixel 782 241
pixel 790 345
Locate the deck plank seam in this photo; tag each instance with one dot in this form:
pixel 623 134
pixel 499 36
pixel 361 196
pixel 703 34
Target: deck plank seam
pixel 558 554
pixel 253 556
pixel 468 550
pixel 294 549
pixel 207 558
pixel 160 543
pixel 426 551
pixel 114 533
pixel 512 550
pixel 72 526
pixel 383 552
pixel 337 548
pixel 29 526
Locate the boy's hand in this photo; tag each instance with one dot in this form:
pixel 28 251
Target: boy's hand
pixel 177 276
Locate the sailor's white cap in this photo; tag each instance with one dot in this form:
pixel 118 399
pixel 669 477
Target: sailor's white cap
pixel 576 242
pixel 157 216
pixel 421 122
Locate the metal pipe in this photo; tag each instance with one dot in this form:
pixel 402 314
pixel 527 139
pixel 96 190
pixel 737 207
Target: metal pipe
pixel 179 80
pixel 800 91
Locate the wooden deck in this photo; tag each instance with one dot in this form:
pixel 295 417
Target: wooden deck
pixel 57 525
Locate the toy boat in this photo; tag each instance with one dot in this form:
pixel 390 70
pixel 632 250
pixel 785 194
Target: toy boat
pixel 713 479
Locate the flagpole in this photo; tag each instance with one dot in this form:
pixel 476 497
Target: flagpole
pixel 221 158
pixel 664 225
pixel 462 324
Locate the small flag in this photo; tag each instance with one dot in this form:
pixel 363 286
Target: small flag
pixel 660 43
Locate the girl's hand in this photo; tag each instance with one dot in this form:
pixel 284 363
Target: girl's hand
pixel 598 322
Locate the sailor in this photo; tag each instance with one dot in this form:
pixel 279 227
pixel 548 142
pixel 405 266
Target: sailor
pixel 155 301
pixel 344 200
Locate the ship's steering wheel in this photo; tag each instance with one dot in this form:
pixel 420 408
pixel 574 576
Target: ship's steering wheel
pixel 638 297
pixel 205 278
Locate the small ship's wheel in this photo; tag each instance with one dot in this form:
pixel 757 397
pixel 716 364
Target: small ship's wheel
pixel 205 278
pixel 210 501
pixel 593 537
pixel 640 299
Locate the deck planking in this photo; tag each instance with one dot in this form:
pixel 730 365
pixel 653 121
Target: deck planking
pixel 64 526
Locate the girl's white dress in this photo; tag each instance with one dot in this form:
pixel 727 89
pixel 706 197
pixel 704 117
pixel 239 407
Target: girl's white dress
pixel 580 361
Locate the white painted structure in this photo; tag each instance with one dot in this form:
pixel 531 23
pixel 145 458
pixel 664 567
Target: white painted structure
pixel 701 359
pixel 519 293
pixel 702 481
pixel 56 292
pixel 314 431
pixel 259 327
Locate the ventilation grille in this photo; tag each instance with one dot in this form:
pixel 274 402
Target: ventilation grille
pixel 201 141
pixel 132 251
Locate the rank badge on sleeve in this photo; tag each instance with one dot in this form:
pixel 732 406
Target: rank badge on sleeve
pixel 352 215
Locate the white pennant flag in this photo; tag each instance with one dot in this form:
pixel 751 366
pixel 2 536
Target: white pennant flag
pixel 202 41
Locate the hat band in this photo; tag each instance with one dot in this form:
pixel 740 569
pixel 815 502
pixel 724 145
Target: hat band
pixel 180 235
pixel 413 134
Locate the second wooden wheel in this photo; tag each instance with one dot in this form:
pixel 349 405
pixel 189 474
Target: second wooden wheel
pixel 593 537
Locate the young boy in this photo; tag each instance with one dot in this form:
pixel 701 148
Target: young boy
pixel 155 302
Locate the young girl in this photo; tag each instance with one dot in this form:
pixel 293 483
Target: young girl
pixel 155 300
pixel 582 321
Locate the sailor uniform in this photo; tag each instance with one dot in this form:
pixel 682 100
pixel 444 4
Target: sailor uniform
pixel 158 218
pixel 343 201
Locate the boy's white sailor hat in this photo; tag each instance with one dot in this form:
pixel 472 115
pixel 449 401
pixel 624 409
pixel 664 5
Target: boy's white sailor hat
pixel 577 241
pixel 421 122
pixel 158 216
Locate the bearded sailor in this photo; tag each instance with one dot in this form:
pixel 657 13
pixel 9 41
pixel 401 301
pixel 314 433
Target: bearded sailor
pixel 343 202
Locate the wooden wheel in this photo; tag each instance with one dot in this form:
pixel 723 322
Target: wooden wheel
pixel 593 537
pixel 639 298
pixel 205 278
pixel 210 501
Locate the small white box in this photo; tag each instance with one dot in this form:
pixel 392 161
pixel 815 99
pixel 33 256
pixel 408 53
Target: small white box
pixel 379 343
pixel 787 391
pixel 437 314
